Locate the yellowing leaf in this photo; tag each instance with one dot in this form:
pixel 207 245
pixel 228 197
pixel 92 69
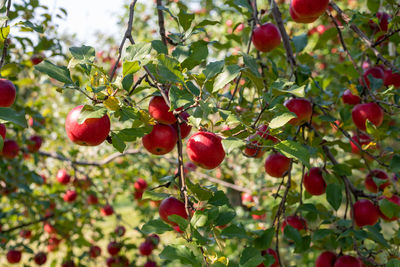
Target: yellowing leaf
pixel 112 103
pixel 146 118
pixel 353 89
pixel 387 192
pixel 4 33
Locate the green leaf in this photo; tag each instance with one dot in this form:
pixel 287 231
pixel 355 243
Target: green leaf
pixel 199 218
pixel 232 143
pixel 375 235
pixel 137 52
pixel 127 82
pixel 91 112
pixel 1 143
pixel 201 193
pixel 156 196
pixel 60 73
pixel 342 169
pixel 264 241
pixel 334 195
pixel 185 19
pixel 251 63
pixel 300 42
pixel 156 226
pixel 389 209
pixel 181 253
pixel 31 26
pixel 206 22
pixel 180 97
pixel 281 120
pixel 83 53
pixel 295 150
pixel 373 5
pixel 234 231
pixel 292 234
pixel 393 263
pixel 131 134
pixel 225 215
pixel 219 199
pixel 251 257
pixel 117 143
pixel 230 72
pixel 395 163
pixel 130 67
pixel 8 114
pixel 159 46
pixel 213 69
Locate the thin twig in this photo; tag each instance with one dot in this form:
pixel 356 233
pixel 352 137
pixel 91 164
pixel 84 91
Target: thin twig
pixel 161 23
pixel 385 37
pixel 5 46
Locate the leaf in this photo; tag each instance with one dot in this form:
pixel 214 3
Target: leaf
pixel 251 63
pixel 127 82
pixel 229 73
pixel 91 112
pixel 393 263
pixel 131 134
pixel 389 209
pixel 234 231
pixel 201 193
pixel 137 52
pixel 130 67
pixel 206 22
pixel 264 241
pixel 159 46
pixel 376 236
pixel 212 69
pixel 83 53
pixel 251 257
pixel 117 143
pixel 225 215
pixel 112 103
pixel 292 234
pixel 373 5
pixel 180 97
pixel 295 150
pixel 181 253
pixel 395 163
pixel 334 195
pixel 199 218
pixel 300 42
pixel 231 143
pixel 219 199
pixel 60 73
pixel 8 114
pixel 185 19
pixel 154 195
pixel 156 226
pixel 4 33
pixel 1 143
pixel 342 169
pixel 281 120
pixel 31 26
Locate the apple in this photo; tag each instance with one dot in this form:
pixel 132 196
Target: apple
pixel 229 23
pixel 48 228
pixel 113 248
pixel 92 132
pixel 140 185
pixel 205 150
pixel 349 98
pixel 302 108
pixel 347 261
pixel 376 72
pixel 361 139
pixel 294 221
pixel 159 110
pixel 68 263
pixel 27 234
pixel 10 149
pixel 253 149
pixel 146 248
pixel 138 195
pixel 94 251
pixel 70 196
pixel 391 78
pixel 266 37
pixel 314 182
pixel 170 206
pixel 368 111
pixel 92 199
pixel 53 243
pixel 7 93
pixel 298 19
pixel 40 258
pixel 383 18
pixel 107 210
pixel 365 213
pixel 309 8
pixel 161 140
pixel 370 183
pixel 14 256
pixel 37 58
pixel 276 165
pixel 247 198
pixel 3 131
pixel 394 199
pixel 326 259
pixel 63 177
pixel 154 238
pixel 120 230
pixel 83 183
pixel 272 252
pixel 34 144
pixel 150 263
pixel 259 217
pixel 185 128
pixel 36 122
pixel 117 261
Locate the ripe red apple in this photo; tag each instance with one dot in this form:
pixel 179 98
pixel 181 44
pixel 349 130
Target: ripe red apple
pixel 107 210
pixel 294 221
pixel 48 228
pixel 376 72
pixel 68 263
pixel 120 230
pixel 314 182
pixel 92 199
pixel 161 140
pixel 326 259
pixel 150 263
pixel 361 139
pixel 253 149
pixel 298 19
pixel 371 111
pixel 170 206
pixel 154 238
pixel 140 185
pixel 25 234
pixel 302 108
pixel 394 199
pixel 7 93
pixel 266 37
pixel 383 18
pixel 272 252
pixel 53 243
pixel 259 217
pixel 276 165
pixel 185 128
pixel 349 98
pixel 94 251
pixel 14 256
pixel 63 177
pixel 247 198
pixel 309 8
pixel 3 131
pixel 138 195
pixel 146 248
pixel 37 58
pixel 365 213
pixel 391 78
pixel 159 110
pixel 70 196
pixel 113 248
pixel 117 261
pixel 34 144
pixel 92 132
pixel 370 183
pixel 10 149
pixel 40 258
pixel 205 150
pixel 347 261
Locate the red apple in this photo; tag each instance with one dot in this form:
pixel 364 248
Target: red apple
pixel 120 230
pixel 113 248
pixel 349 98
pixel 394 199
pixel 347 261
pixel 3 131
pixel 361 139
pixel 146 248
pixel 48 228
pixel 185 128
pixel 276 165
pixel 92 199
pixel 298 19
pixel 25 234
pixel 266 37
pixel 309 8
pixel 302 108
pixel 68 263
pixel 83 183
pixel 314 182
pixel 138 195
pixel 140 185
pixel 14 256
pixel 92 132
pixel 272 252
pixel 70 196
pixel 247 198
pixel 161 140
pixel 40 258
pixel 37 58
pixel 326 259
pixel 205 150
pixel 259 217
pixel 150 263
pixel 370 183
pixel 107 210
pixel 34 144
pixel 294 221
pixel 63 177
pixel 253 150
pixel 10 149
pixel 365 213
pixel 368 111
pixel 383 18
pixel 7 93
pixel 159 110
pixel 391 78
pixel 154 238
pixel 170 206
pixel 94 251
pixel 376 72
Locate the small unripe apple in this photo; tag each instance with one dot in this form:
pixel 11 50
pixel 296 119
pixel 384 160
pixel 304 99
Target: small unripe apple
pixel 314 182
pixel 298 19
pixel 140 185
pixel 120 230
pixel 146 248
pixel 92 132
pixel 92 199
pixel 302 108
pixel 326 259
pixel 63 177
pixel 14 256
pixel 266 37
pixel 361 139
pixel 40 258
pixel 7 93
pixel 365 213
pixel 159 110
pixel 294 221
pixel 205 150
pixel 370 183
pixel 394 199
pixel 276 165
pixel 391 78
pixel 309 8
pixel 10 149
pixel 347 261
pixel 170 206
pixel 35 142
pixel 368 111
pixel 161 140
pixel 113 248
pixel 272 252
pixel 3 131
pixel 70 196
pixel 107 210
pixel 150 263
pixel 349 98
pixel 94 251
pixel 375 72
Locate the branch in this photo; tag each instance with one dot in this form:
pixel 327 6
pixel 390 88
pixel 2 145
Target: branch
pixel 5 46
pixel 385 37
pixel 223 183
pixel 161 23
pixel 27 224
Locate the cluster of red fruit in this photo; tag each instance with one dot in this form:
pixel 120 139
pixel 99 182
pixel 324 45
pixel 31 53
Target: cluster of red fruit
pixel 330 259
pixel 140 186
pixel 147 247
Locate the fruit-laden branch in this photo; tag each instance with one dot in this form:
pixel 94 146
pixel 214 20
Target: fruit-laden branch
pixel 385 37
pixel 161 23
pixel 5 44
pixel 27 224
pixel 362 36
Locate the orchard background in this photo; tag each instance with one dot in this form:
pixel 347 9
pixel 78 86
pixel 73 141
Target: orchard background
pixel 294 127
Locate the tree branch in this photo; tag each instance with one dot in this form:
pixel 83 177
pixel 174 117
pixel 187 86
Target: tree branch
pixel 161 23
pixel 5 46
